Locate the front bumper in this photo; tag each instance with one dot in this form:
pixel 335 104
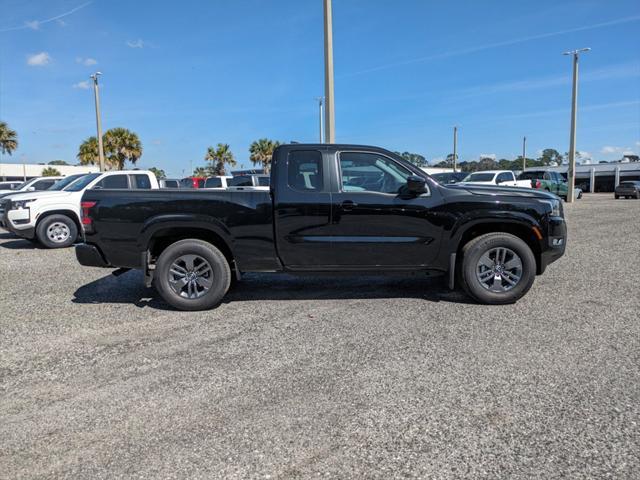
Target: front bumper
pixel 556 243
pixel 90 256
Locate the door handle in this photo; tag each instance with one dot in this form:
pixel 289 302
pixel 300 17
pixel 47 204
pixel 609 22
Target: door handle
pixel 348 205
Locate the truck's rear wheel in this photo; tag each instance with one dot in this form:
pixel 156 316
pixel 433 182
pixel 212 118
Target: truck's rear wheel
pixel 497 268
pixel 57 231
pixel 192 275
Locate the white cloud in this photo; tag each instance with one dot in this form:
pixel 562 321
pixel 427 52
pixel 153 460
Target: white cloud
pixel 38 59
pixel 33 24
pixel 613 150
pixel 61 22
pixel 492 156
pixel 86 61
pixel 135 43
pixel 83 85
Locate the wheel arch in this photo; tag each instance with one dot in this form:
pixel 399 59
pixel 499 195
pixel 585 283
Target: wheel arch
pixel 523 230
pixel 61 211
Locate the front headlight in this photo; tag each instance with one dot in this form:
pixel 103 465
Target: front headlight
pixel 556 207
pixel 18 204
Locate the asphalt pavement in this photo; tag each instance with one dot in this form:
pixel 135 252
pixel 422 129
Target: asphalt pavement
pixel 332 377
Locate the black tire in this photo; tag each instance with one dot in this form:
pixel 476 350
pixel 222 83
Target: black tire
pixel 616 197
pixel 57 231
pixel 220 276
pixel 476 248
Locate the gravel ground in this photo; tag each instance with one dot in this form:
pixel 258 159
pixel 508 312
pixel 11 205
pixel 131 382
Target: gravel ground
pixel 369 377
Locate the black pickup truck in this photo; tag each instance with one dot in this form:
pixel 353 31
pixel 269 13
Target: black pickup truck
pixel 330 208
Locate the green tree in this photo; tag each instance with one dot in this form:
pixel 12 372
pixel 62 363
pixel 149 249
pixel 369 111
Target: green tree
pixel 50 172
pixel 58 162
pixel 550 155
pixel 487 163
pixel 8 139
pixel 120 146
pixel 415 158
pixel 88 152
pixel 159 173
pixel 218 158
pixel 201 172
pixel 261 152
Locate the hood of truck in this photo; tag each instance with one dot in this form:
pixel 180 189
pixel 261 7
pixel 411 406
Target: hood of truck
pixel 57 194
pixel 492 190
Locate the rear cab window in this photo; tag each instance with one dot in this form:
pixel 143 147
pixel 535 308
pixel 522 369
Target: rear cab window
pixel 304 170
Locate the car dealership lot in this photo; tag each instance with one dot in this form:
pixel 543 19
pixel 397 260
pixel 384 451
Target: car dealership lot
pixel 296 376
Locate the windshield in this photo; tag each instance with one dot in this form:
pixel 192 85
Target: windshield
pixel 60 184
pixel 82 182
pixel 479 177
pixel 25 184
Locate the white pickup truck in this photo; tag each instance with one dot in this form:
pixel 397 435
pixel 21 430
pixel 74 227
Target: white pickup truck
pixel 504 178
pixel 53 216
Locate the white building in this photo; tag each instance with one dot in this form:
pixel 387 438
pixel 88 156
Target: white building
pixel 20 171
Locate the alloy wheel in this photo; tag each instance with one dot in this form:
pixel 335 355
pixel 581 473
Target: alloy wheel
pixel 190 276
pixel 499 269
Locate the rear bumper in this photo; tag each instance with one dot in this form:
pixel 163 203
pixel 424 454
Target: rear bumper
pixel 89 256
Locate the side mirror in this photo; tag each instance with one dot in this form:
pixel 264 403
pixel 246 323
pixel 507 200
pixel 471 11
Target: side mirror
pixel 416 185
pixel 31 189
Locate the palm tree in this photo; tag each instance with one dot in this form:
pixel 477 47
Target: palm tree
pixel 50 172
pixel 261 152
pixel 219 157
pixel 121 145
pixel 201 172
pixel 8 139
pixel 88 152
pixel 158 172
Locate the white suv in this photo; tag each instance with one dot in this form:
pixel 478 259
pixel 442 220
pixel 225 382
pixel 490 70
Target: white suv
pixel 53 217
pixel 34 185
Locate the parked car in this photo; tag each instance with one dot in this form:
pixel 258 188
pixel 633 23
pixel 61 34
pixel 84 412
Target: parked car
pixel 218 181
pixel 331 208
pixel 33 185
pixel 192 182
pixel 10 185
pixel 504 178
pixel 253 181
pixel 449 177
pixel 53 217
pixel 628 189
pixel 59 185
pixel 169 183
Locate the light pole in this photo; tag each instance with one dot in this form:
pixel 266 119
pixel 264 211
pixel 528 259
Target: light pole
pixel 96 95
pixel 329 130
pixel 455 147
pixel 524 153
pixel 571 172
pixel 321 120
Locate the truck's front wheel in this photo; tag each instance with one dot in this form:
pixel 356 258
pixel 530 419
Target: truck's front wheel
pixel 497 268
pixel 192 275
pixel 57 231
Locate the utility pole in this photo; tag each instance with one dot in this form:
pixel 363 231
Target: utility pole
pixel 571 172
pixel 96 95
pixel 321 121
pixel 455 147
pixel 329 112
pixel 524 153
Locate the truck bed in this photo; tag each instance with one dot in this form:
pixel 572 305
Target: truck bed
pixel 125 220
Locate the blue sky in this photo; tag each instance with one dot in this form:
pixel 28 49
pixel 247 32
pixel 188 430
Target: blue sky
pixel 185 75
